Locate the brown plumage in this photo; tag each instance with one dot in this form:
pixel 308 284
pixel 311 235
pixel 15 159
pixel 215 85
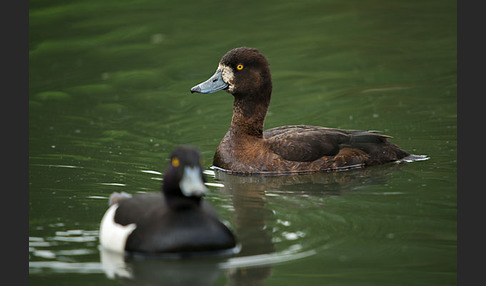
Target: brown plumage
pixel 247 148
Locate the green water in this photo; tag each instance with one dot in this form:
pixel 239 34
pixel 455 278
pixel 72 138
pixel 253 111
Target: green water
pixel 109 98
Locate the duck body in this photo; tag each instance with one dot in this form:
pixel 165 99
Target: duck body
pixel 176 221
pixel 160 229
pixel 248 148
pixel 303 148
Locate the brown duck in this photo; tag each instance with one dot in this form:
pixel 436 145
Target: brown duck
pixel 247 148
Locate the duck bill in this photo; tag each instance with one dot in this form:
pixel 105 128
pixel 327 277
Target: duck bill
pixel 213 84
pixel 192 183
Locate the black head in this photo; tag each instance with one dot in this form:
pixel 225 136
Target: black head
pixel 183 182
pixel 241 71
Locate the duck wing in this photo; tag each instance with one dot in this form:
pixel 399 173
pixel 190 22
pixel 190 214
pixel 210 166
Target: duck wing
pixel 135 209
pixel 305 143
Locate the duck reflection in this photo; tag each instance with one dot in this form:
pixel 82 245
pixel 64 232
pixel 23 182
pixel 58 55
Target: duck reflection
pixel 252 216
pixel 252 220
pixel 152 271
pixel 310 184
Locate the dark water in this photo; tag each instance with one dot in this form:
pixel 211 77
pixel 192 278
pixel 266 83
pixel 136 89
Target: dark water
pixel 109 98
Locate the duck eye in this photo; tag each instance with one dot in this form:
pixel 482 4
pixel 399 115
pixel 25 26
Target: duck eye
pixel 239 67
pixel 175 162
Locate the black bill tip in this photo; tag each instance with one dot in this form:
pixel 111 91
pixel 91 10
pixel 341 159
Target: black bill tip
pixel 196 89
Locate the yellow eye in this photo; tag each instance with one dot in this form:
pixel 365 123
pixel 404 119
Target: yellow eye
pixel 175 162
pixel 239 67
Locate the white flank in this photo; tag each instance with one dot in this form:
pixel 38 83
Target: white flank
pixel 113 236
pixel 192 183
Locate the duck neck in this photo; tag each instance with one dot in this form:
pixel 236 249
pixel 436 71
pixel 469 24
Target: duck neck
pixel 174 197
pixel 249 114
pixel 180 202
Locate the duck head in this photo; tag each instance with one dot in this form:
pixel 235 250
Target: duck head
pixel 183 182
pixel 241 71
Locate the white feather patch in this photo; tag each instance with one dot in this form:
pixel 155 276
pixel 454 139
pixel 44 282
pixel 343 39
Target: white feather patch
pixel 227 75
pixel 113 236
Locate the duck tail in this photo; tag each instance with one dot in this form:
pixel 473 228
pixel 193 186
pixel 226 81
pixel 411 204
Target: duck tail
pixel 377 146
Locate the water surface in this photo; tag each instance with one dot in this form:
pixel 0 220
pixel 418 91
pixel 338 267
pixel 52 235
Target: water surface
pixel 109 99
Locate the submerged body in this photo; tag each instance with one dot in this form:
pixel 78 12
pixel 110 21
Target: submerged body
pixel 247 148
